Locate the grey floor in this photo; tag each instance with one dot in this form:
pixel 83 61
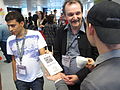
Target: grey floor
pixel 7 81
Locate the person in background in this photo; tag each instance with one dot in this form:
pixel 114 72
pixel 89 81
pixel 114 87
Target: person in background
pixel 103 31
pixel 30 20
pixel 40 20
pixel 4 34
pixel 55 16
pixel 26 22
pixel 61 20
pixel 35 18
pixel 43 20
pixel 25 46
pixel 71 42
pixel 49 31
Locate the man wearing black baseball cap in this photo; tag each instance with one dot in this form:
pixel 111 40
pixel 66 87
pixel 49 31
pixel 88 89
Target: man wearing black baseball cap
pixel 103 31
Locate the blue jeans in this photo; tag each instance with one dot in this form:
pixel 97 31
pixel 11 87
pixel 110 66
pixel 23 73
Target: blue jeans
pixel 37 84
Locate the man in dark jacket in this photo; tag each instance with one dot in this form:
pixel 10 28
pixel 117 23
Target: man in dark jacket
pixel 71 41
pixel 103 31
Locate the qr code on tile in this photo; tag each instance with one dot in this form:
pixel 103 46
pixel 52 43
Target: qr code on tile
pixel 48 59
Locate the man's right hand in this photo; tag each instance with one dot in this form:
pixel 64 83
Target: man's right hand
pixel 71 79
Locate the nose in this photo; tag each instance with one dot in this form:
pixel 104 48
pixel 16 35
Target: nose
pixel 10 28
pixel 75 16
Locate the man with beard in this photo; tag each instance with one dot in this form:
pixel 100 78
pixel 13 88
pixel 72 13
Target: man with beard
pixel 71 42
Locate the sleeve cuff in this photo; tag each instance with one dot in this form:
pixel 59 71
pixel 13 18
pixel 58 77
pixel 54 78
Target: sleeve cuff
pixel 83 73
pixel 57 80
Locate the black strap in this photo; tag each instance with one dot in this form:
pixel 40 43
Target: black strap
pixel 71 44
pixel 21 50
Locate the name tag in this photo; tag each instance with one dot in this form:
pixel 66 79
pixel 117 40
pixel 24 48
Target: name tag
pixel 22 70
pixel 66 60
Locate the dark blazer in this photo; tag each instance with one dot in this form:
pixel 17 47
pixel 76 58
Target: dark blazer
pixel 86 50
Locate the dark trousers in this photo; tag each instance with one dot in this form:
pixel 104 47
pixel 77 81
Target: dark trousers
pixel 37 84
pixel 4 50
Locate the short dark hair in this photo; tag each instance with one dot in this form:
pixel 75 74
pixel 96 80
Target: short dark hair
pixel 55 10
pixel 50 19
pixel 72 2
pixel 14 15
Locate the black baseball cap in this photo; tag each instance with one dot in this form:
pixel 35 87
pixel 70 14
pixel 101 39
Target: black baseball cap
pixel 105 17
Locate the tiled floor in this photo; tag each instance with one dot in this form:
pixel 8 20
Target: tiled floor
pixel 7 82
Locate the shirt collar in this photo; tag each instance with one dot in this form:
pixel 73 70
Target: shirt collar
pixel 66 27
pixel 103 57
pixel 82 28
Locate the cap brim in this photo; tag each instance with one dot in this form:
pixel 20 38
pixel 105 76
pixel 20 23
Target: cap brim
pixel 108 35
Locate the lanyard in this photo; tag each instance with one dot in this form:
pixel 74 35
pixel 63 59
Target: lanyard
pixel 73 40
pixel 20 51
pixel 71 44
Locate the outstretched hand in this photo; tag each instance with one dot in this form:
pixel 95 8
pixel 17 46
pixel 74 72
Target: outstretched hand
pixel 55 77
pixel 90 63
pixel 71 79
pixel 48 52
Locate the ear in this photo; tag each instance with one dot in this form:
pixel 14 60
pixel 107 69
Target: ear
pixel 22 23
pixel 91 29
pixel 65 17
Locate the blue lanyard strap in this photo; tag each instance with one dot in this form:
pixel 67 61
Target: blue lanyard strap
pixel 20 50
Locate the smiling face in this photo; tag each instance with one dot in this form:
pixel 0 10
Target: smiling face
pixel 15 27
pixel 73 14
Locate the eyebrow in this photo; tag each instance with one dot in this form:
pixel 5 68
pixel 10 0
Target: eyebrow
pixel 71 14
pixel 12 25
